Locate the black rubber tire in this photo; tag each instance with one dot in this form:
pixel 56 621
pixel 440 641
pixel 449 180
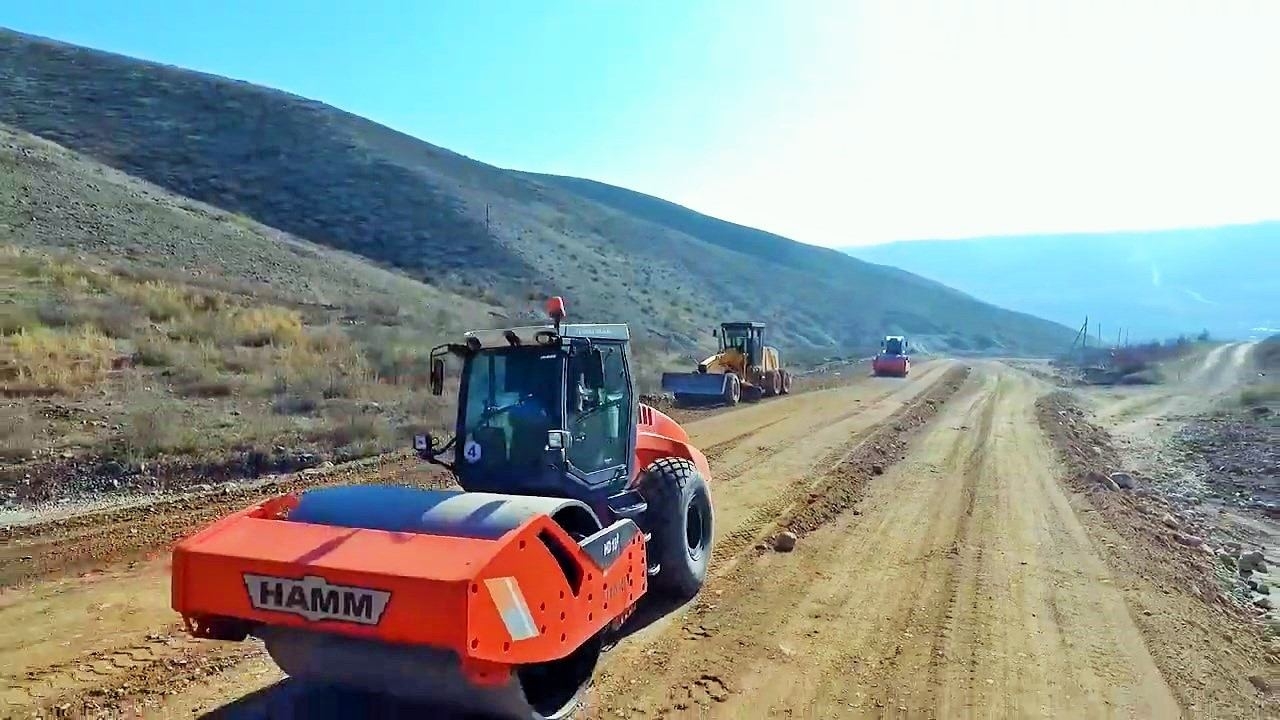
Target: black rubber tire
pixel 675 491
pixel 732 390
pixel 786 382
pixel 765 383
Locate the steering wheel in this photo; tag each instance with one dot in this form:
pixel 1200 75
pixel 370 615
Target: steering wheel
pixel 494 412
pixel 617 402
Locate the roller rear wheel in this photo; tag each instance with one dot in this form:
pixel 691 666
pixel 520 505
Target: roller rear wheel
pixel 681 521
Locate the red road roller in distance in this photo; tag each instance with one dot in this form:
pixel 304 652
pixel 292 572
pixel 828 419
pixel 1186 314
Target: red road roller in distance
pixel 892 360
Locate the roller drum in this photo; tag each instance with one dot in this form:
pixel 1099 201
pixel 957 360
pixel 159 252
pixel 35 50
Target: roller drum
pixel 425 675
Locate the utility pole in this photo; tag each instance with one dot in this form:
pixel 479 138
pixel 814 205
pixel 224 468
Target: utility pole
pixel 486 218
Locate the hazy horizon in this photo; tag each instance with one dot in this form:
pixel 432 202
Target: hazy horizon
pixel 832 123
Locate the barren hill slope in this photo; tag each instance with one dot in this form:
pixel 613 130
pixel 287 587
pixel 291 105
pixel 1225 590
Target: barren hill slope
pixel 335 179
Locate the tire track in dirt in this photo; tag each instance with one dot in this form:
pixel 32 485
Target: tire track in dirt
pixel 83 641
pixel 715 452
pixel 140 532
pixel 804 636
pixel 966 588
pixel 805 486
pixel 961 586
pixel 820 420
pixel 94 655
pixel 1202 642
pixel 797 418
pixel 736 605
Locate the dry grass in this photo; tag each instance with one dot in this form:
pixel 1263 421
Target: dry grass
pixel 177 370
pixel 43 359
pixel 19 430
pixel 151 430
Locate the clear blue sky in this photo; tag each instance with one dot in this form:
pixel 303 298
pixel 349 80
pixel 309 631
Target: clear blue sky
pixel 831 121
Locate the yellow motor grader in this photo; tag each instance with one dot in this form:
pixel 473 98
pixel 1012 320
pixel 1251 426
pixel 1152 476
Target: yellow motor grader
pixel 744 368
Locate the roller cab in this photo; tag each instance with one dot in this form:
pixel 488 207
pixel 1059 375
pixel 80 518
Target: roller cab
pixel 495 580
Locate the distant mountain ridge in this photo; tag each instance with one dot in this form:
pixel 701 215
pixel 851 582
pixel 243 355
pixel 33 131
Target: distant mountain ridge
pixel 500 237
pixel 1155 284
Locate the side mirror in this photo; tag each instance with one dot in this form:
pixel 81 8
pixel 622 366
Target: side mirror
pixel 437 376
pixel 593 374
pixel 558 442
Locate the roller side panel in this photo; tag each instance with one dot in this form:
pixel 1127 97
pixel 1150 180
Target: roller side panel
pixel 530 595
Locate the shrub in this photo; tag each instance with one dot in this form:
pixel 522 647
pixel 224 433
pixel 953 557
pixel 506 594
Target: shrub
pixel 153 429
pixel 353 427
pixel 19 433
pixel 116 320
pixel 1261 394
pixel 200 380
pixel 17 318
pixel 155 351
pixel 57 360
pixel 161 301
pixel 257 327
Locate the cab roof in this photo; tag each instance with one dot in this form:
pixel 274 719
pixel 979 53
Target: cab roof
pixel 528 335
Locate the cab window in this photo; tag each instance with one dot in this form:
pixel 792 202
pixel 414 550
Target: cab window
pixel 600 419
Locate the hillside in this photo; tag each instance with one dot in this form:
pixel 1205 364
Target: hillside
pixel 142 333
pixel 1156 284
pixel 325 176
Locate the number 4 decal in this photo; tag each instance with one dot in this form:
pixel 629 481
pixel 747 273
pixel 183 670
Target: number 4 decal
pixel 472 451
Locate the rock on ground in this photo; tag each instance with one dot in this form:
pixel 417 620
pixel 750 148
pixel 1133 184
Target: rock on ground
pixel 1123 480
pixel 1189 540
pixel 1100 479
pixel 1252 561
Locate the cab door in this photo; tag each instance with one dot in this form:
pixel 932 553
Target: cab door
pixel 601 422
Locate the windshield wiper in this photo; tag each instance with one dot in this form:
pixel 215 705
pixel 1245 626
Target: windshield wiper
pixel 492 413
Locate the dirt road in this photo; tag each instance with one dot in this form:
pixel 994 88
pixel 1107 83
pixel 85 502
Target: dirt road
pixel 942 571
pixel 85 610
pixel 963 586
pixel 1190 386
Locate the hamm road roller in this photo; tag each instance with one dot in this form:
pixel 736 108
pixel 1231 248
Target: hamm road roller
pixel 497 599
